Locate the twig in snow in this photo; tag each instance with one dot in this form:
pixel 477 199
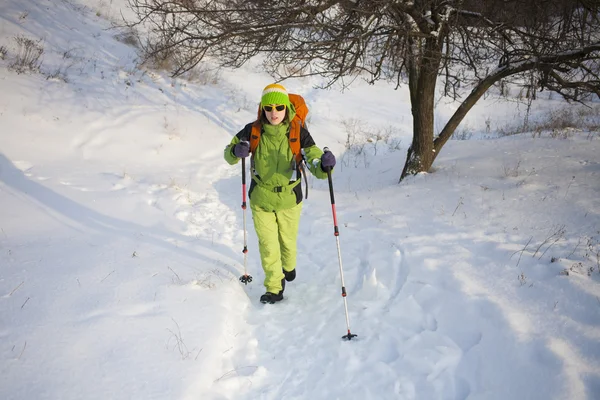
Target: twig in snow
pixel 570 183
pixel 228 373
pixel 25 303
pixel 557 234
pixel 179 343
pixel 22 350
pixel 178 278
pixel 460 203
pixel 575 249
pixel 111 272
pixel 15 289
pixel 548 248
pixel 521 251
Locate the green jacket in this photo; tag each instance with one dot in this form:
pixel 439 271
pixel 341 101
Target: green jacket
pixel 275 185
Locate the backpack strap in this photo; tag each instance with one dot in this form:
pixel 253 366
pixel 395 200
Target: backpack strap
pixel 296 147
pixel 254 136
pixel 294 139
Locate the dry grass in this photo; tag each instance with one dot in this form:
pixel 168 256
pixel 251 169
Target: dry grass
pixel 28 57
pixel 559 124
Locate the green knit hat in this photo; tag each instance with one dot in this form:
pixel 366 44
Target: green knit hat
pixel 275 94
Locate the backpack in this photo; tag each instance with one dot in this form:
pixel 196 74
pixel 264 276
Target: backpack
pixel 298 122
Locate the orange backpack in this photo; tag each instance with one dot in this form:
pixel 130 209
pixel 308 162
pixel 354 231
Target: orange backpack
pixel 294 136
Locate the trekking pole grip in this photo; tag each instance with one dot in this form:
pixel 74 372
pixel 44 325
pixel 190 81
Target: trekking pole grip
pixel 330 186
pixel 330 181
pixel 336 231
pixel 243 171
pixel 244 183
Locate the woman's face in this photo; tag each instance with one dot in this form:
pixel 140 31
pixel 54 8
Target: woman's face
pixel 273 116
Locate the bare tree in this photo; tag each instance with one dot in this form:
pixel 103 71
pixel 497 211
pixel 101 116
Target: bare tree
pixel 466 44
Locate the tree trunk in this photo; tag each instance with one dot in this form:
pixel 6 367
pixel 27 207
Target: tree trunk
pixel 422 80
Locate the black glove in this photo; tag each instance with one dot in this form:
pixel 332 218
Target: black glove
pixel 327 160
pixel 241 150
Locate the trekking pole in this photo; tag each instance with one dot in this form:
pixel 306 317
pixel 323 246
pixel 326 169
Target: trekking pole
pixel 336 233
pixel 245 279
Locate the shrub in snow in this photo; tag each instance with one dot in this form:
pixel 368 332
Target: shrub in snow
pixel 29 54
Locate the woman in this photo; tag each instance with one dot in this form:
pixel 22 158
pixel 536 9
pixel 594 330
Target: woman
pixel 275 191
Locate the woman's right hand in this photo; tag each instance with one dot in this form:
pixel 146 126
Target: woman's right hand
pixel 241 150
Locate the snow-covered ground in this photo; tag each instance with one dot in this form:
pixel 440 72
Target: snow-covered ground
pixel 121 236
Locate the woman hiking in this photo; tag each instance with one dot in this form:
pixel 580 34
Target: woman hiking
pixel 275 191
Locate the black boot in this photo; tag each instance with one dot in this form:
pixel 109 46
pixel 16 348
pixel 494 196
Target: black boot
pixel 271 298
pixel 290 275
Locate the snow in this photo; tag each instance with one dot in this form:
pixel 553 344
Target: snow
pixel 121 237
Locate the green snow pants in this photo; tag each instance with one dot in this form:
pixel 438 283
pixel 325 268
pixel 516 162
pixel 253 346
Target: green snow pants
pixel 277 233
